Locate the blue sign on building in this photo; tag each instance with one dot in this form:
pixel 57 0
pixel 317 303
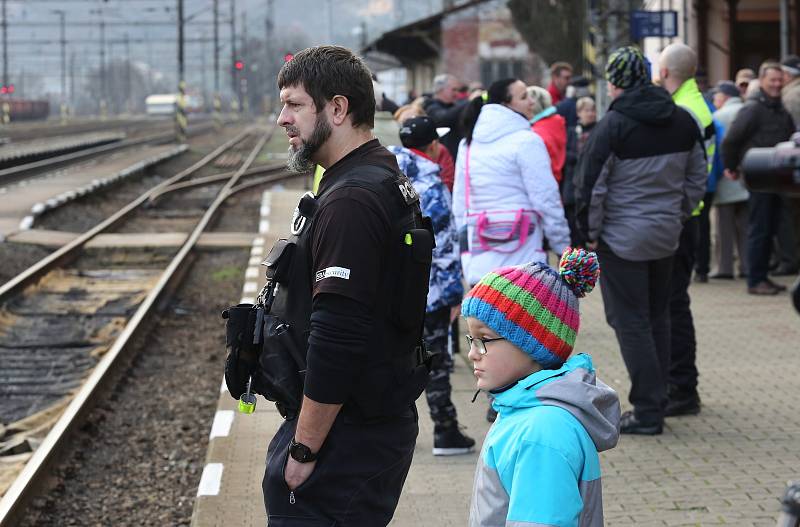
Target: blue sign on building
pixel 653 24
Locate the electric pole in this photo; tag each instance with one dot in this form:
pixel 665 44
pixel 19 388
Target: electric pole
pixel 103 83
pixel 234 78
pixel 269 59
pixel 72 78
pixel 180 114
pixel 127 73
pixel 246 61
pixel 62 15
pixel 217 103
pixel 5 46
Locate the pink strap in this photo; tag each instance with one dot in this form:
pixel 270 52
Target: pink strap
pixel 466 179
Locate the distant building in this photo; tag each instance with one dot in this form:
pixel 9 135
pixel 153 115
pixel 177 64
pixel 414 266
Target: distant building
pixel 475 41
pixel 732 34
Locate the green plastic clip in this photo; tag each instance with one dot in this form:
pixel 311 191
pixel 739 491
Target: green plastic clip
pixel 247 403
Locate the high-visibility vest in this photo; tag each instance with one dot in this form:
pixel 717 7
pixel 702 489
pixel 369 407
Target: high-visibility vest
pixel 688 97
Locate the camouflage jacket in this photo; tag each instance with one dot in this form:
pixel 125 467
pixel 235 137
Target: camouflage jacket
pixel 445 288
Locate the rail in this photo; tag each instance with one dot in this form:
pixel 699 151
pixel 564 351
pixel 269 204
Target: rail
pixel 33 476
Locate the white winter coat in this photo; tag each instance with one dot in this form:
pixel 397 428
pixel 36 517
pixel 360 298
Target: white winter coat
pixel 509 170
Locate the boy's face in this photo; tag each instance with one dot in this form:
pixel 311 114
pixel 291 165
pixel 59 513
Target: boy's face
pixel 503 363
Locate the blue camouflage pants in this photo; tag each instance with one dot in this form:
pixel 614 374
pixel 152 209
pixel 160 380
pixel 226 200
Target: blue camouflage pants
pixel 437 325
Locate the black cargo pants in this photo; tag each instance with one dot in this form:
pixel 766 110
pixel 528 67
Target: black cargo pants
pixel 358 476
pixel 636 297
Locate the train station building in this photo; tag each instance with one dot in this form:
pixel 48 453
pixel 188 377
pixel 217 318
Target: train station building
pixel 478 40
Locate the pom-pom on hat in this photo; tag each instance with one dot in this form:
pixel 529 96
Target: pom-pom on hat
pixel 534 306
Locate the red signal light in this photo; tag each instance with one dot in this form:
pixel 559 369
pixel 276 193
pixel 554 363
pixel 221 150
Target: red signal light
pixel 3 90
pixel 239 65
pixel 288 57
pixel 10 88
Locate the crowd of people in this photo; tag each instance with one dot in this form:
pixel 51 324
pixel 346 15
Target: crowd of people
pixel 482 185
pixel 529 169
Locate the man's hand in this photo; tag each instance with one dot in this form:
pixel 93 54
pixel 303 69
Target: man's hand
pixel 297 473
pixel 733 175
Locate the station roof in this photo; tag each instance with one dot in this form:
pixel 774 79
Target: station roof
pixel 417 41
pixel 411 43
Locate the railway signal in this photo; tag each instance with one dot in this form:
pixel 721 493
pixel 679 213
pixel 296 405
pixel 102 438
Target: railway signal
pixel 7 89
pixel 239 65
pixel 287 57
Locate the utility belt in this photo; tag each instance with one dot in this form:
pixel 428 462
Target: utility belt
pixel 267 348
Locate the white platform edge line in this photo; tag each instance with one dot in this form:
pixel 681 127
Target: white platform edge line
pixel 223 420
pixel 211 480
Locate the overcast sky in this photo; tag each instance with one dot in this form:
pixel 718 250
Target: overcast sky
pixel 34 20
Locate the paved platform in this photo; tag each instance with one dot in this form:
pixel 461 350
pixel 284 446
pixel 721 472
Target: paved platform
pixel 18 152
pixel 21 202
pixel 726 466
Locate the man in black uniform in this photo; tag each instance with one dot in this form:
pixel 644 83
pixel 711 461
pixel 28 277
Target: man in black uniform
pixel 343 460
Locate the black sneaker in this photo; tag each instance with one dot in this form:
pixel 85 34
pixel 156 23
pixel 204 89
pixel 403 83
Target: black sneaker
pixel 629 424
pixel 682 403
pixel 449 441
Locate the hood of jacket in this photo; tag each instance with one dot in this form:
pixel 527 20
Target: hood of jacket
pixel 647 104
pixel 416 167
pixel 497 121
pixel 573 387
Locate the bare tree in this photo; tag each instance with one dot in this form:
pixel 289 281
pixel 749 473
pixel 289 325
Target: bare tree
pixel 557 30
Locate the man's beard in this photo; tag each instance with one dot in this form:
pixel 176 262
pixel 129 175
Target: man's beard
pixel 300 159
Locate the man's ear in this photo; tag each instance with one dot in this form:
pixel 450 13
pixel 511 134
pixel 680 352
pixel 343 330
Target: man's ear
pixel 663 73
pixel 338 107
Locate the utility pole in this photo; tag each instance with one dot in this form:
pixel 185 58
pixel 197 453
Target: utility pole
pixel 180 114
pixel 203 74
pixel 72 78
pixel 269 58
pixel 62 15
pixel 103 80
pixel 235 102
pixel 246 60
pixel 217 102
pixel 149 64
pixel 5 46
pixel 127 73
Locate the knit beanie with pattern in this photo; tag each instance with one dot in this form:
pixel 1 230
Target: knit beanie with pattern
pixel 627 68
pixel 534 306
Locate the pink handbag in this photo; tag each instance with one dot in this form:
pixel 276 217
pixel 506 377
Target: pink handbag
pixel 490 235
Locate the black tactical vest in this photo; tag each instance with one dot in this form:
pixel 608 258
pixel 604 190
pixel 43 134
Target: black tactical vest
pixel 397 369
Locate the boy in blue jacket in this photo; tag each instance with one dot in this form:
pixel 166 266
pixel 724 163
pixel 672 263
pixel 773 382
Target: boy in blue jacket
pixel 416 159
pixel 539 464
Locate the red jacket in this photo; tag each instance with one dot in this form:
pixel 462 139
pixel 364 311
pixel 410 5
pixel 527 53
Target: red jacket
pixel 448 172
pixel 554 93
pixel 553 131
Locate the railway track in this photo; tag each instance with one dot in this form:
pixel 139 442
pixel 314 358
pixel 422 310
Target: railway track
pixel 17 173
pixel 67 322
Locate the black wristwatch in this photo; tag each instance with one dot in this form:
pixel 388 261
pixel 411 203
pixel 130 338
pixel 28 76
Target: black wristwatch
pixel 301 453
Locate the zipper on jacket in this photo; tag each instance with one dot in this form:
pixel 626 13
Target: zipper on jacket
pixel 291 497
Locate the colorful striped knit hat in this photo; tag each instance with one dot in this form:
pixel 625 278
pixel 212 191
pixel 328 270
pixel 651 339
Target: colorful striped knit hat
pixel 535 307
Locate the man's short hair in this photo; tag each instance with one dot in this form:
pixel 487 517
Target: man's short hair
pixel 768 65
pixel 557 67
pixel 327 71
pixel 440 81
